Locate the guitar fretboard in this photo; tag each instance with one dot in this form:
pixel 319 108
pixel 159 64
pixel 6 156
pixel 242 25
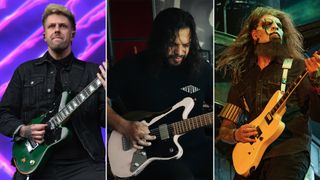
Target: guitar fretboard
pixel 71 106
pixel 183 126
pixel 192 123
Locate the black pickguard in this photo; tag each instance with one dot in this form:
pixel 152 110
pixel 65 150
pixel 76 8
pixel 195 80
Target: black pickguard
pixel 163 148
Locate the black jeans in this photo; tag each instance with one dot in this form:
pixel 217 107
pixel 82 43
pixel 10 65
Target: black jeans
pixel 289 167
pixel 161 170
pixel 85 169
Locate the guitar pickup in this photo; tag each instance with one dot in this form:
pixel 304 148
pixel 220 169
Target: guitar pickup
pixel 258 136
pixel 164 132
pixel 126 144
pixel 268 118
pixel 259 132
pixel 31 145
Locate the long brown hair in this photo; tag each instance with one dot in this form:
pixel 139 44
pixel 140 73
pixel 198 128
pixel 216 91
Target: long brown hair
pixel 235 58
pixel 164 30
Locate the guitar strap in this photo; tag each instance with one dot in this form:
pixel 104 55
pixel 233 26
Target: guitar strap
pixel 287 63
pixel 232 112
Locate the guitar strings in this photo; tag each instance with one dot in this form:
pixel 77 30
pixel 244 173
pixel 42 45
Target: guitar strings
pixel 186 125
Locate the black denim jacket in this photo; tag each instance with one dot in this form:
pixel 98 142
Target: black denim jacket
pixel 30 94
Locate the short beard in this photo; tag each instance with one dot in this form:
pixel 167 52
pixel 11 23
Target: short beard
pixel 273 49
pixel 171 60
pixel 59 49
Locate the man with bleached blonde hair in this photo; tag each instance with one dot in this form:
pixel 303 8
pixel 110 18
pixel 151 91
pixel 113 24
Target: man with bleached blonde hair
pixel 33 91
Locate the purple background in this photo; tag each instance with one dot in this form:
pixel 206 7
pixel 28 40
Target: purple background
pixel 21 40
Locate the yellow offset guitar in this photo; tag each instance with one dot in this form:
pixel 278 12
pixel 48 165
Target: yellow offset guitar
pixel 247 156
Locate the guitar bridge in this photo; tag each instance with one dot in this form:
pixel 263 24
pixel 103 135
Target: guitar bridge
pixel 31 145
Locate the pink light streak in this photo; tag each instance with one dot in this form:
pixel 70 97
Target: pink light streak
pixel 92 48
pixel 37 35
pixel 28 43
pixel 84 22
pixel 71 4
pixel 6 166
pixel 93 15
pixel 28 5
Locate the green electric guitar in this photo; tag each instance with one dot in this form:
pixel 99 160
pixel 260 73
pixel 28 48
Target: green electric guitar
pixel 29 156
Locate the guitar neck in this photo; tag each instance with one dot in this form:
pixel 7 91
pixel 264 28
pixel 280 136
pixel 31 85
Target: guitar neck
pixel 72 105
pixel 196 122
pixel 289 91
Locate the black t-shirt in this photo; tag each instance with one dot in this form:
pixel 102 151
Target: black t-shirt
pixel 72 149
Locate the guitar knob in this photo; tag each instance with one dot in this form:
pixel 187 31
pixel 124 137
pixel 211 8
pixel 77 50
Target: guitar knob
pixel 171 150
pixel 23 160
pixel 143 153
pixel 32 162
pixel 136 164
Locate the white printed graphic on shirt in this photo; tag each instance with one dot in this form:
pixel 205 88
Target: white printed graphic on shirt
pixel 190 89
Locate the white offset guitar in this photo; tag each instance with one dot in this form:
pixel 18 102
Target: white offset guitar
pixel 126 161
pixel 247 156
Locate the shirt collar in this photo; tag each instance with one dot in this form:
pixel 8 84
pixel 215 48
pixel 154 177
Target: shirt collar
pixel 66 62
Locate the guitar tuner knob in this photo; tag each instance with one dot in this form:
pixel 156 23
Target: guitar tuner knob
pixel 136 164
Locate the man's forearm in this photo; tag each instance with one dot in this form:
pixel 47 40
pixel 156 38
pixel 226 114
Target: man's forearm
pixel 227 135
pixel 115 121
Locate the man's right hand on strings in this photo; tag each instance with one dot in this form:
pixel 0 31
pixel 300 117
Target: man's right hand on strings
pixel 139 134
pixel 33 131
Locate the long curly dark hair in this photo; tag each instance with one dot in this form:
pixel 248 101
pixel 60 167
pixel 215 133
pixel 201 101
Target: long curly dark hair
pixel 164 30
pixel 235 58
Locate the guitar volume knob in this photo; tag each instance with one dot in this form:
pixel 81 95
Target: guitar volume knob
pixel 136 164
